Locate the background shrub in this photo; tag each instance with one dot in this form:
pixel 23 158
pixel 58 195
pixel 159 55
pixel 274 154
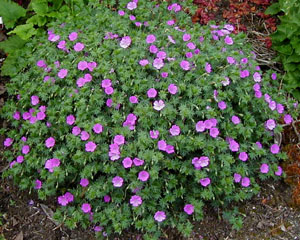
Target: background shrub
pixel 138 118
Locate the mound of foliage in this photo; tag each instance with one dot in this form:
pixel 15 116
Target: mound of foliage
pixel 138 118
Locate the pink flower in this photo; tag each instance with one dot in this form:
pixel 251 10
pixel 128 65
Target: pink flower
pixel 127 162
pixel 170 149
pixel 235 119
pixel 35 100
pixel 106 83
pixel 86 207
pixel 205 182
pixel 172 88
pixel 273 76
pixel 288 119
pixel 125 42
pixel 243 156
pixel 228 40
pixel 90 147
pixel 143 62
pixel 231 60
pixel 69 196
pixel 160 216
pixel 117 181
pixel 131 5
pixel 279 171
pixel 208 68
pixel 73 36
pixel 161 54
pixel 274 149
pixel 84 136
pixel 214 132
pixel 78 47
pixel 136 200
pixel 162 145
pixel 237 177
pixel 270 124
pixel 98 128
pixel 138 162
pixel 70 119
pixel 25 149
pixel 84 182
pixel 170 22
pixel 158 105
pixel 153 49
pixel 154 134
pixel 245 182
pixel 185 65
pixel 244 73
pixel 143 176
pixel 264 168
pixel 222 105
pixel 175 130
pixel 150 38
pixel 186 37
pixel 62 73
pixel 41 64
pixel 133 99
pixel 200 126
pixel 76 130
pixel 38 184
pixel 40 116
pixel 82 65
pixel 164 74
pixel 121 12
pixel 234 146
pixel 8 142
pixel 189 209
pixel 91 66
pixel 257 77
pixel 109 90
pixel 158 63
pixel 151 93
pixel 20 159
pixel 106 198
pixel 62 200
pixel 119 139
pixel 50 142
pixel 191 45
pixel 171 39
pixel 17 115
pixel 51 164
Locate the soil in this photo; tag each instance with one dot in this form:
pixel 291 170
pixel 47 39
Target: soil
pixel 271 215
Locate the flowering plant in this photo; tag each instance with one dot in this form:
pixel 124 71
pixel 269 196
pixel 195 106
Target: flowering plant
pixel 135 120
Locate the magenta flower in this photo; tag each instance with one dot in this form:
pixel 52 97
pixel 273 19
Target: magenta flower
pixel 153 49
pixel 106 198
pixel 90 147
pixel 151 93
pixel 38 184
pixel 82 65
pixel 186 37
pixel 258 144
pixel 53 37
pixel 125 42
pixel 106 83
pixel 245 182
pixel 41 64
pixel 136 200
pixel 121 12
pixel 150 39
pixel 272 105
pixel 84 182
pixel 160 216
pixel 144 62
pixel 234 146
pixel 273 76
pixel 256 77
pixel 208 67
pixel 8 142
pixel 164 74
pixel 131 6
pixel 228 40
pixel 231 60
pixel 69 196
pixel 198 163
pixel 200 126
pixel 35 100
pixel 50 142
pixel 20 159
pixel 154 134
pixel 280 108
pixel 25 149
pixel 222 105
pixel 86 207
pixel 270 124
pixel 138 162
pixel 264 168
pixel 185 65
pixel 235 119
pixel 244 73
pixel 171 39
pixel 274 149
pixel 205 182
pixel 172 88
pixel 98 128
pixel 62 200
pixel 76 130
pixel 17 115
pixel 174 130
pixel 189 54
pixel 214 132
pixel 170 22
pixel 127 162
pixel 243 156
pixel 40 116
pixel 73 36
pixel 288 119
pixel 117 181
pixel 279 171
pixel 189 209
pixel 133 99
pixel 162 145
pixel 51 164
pixel 258 94
pixel 109 90
pixel 256 87
pixel 161 54
pixel 237 177
pixel 70 119
pixel 119 139
pixel 158 105
pixel 191 45
pixel 170 149
pixel 143 176
pixel 158 63
pixel 78 47
pixel 62 73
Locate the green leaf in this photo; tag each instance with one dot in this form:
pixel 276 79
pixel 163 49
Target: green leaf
pixel 40 7
pixel 273 9
pixel 10 12
pixel 37 20
pixel 12 43
pixel 24 31
pixel 57 4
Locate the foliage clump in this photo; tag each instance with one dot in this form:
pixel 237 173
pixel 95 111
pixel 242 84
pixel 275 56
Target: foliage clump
pixel 137 117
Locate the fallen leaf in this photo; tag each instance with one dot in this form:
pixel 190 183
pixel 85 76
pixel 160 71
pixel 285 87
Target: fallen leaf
pixel 19 236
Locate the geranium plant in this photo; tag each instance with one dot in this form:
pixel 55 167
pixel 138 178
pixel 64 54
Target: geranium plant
pixel 135 117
